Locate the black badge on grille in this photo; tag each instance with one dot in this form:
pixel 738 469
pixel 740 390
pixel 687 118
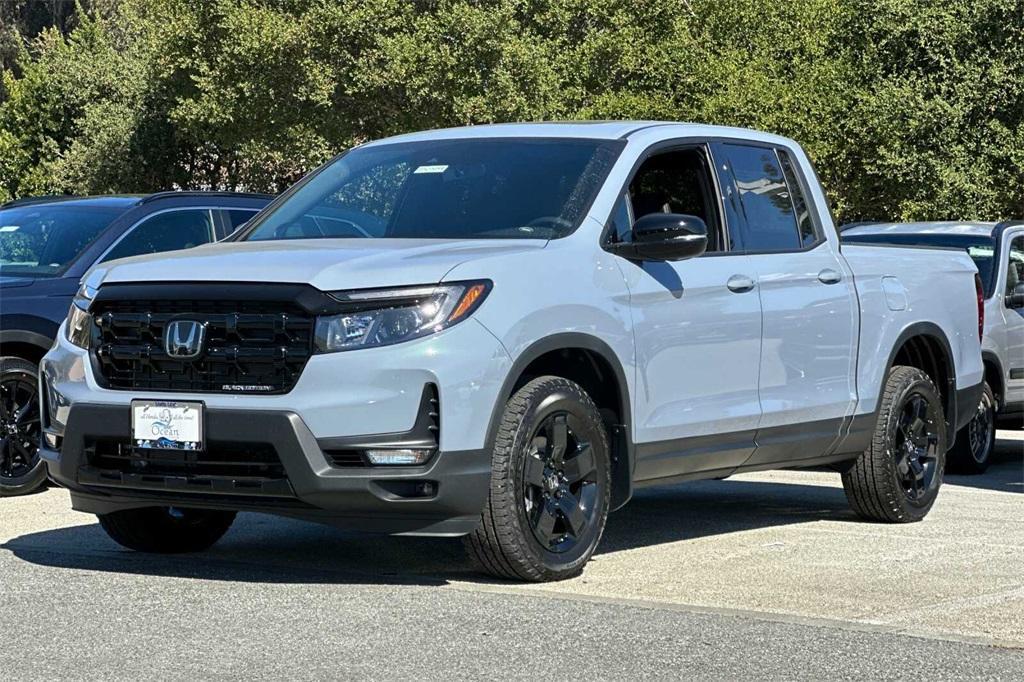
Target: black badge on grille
pixel 183 339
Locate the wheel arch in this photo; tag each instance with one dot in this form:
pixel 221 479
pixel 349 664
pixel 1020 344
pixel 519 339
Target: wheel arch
pixel 590 362
pixel 28 345
pixel 924 345
pixel 994 375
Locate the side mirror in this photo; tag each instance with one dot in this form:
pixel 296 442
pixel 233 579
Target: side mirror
pixel 1015 299
pixel 665 237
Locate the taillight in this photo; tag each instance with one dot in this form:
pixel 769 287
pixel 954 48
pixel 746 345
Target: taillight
pixel 981 305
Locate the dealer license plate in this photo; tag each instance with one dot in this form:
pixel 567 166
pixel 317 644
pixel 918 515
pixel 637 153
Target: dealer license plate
pixel 167 425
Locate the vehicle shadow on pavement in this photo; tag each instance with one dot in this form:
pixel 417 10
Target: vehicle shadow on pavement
pixel 266 549
pixel 689 511
pixel 1005 473
pixel 258 549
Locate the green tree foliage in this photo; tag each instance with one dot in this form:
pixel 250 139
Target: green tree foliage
pixel 911 109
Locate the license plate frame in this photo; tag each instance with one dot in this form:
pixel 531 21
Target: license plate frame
pixel 168 425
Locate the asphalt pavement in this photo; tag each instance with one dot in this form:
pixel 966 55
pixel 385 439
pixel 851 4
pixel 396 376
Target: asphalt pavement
pixel 764 575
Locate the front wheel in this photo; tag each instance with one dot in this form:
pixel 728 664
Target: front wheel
pixel 167 530
pixel 898 478
pixel 972 451
pixel 21 469
pixel 550 492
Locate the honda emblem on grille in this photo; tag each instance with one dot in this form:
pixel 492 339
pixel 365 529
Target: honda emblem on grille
pixel 183 339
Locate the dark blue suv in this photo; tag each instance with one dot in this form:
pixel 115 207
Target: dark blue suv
pixel 46 245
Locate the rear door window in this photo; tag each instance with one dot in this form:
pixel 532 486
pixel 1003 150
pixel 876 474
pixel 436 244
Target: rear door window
pixel 169 231
pixel 770 221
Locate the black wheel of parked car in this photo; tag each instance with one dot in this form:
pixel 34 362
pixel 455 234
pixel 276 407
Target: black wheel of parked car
pixel 550 485
pixel 21 470
pixel 898 478
pixel 167 530
pixel 972 451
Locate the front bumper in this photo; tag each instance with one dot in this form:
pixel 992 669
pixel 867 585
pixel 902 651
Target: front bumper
pixel 375 499
pixel 342 401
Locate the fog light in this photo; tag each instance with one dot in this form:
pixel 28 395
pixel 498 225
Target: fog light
pixel 393 457
pixel 52 440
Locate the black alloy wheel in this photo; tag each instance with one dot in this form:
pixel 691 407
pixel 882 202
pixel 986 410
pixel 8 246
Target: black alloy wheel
pixel 981 430
pixel 21 470
pixel 897 479
pixel 976 442
pixel 560 483
pixel 916 446
pixel 550 488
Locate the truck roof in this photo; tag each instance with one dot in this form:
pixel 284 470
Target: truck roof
pixel 965 228
pixel 600 130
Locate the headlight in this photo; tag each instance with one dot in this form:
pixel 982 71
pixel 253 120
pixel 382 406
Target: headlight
pixel 79 326
pixel 380 317
pixel 79 320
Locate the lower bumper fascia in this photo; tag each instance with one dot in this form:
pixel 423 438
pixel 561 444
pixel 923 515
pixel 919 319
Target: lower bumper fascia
pixel 443 497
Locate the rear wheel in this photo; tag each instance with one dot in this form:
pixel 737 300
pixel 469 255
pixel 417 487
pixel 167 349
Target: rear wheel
pixel 167 530
pixel 972 452
pixel 21 469
pixel 549 493
pixel 898 478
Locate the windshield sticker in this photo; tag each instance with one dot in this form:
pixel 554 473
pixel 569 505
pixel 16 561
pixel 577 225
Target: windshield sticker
pixel 431 169
pixel 9 228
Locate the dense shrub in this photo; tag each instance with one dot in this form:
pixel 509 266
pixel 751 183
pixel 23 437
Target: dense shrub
pixel 912 109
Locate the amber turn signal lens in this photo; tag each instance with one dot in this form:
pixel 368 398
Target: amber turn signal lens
pixel 469 298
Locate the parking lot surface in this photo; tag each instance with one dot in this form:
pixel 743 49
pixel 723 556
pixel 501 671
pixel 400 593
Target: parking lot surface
pixel 766 575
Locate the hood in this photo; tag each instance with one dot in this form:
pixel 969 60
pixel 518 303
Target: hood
pixel 327 264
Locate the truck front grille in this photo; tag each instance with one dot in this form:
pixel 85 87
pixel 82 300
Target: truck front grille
pixel 251 346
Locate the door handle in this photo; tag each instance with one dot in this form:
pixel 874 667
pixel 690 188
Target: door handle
pixel 829 276
pixel 740 284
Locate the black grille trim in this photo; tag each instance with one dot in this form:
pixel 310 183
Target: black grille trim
pixel 258 337
pixel 224 468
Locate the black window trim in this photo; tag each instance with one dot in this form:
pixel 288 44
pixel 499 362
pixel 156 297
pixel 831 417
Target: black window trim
pixel 665 147
pixel 146 218
pixel 808 197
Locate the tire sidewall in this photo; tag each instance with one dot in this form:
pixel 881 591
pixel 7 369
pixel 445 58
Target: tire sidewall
pixel 990 440
pixel 540 407
pixel 24 484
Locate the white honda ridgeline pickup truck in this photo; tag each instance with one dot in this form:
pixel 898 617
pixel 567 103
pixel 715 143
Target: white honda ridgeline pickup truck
pixel 499 332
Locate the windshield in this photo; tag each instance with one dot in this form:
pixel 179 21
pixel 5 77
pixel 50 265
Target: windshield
pixel 41 240
pixel 537 188
pixel 980 249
